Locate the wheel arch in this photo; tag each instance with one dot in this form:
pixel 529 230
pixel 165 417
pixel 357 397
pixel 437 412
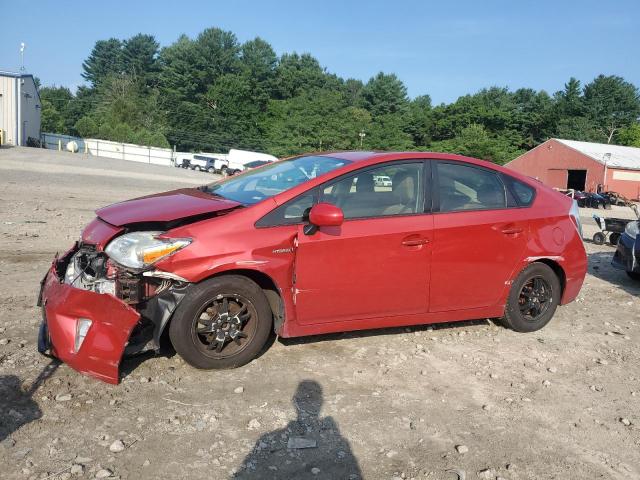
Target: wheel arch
pixel 557 269
pixel 268 286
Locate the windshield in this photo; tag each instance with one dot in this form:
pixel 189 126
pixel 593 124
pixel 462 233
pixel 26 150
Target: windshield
pixel 256 185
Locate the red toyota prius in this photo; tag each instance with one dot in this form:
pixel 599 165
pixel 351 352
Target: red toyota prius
pixel 310 245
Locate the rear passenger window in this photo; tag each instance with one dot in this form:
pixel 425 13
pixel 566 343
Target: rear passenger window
pixel 396 189
pixel 463 187
pixel 524 193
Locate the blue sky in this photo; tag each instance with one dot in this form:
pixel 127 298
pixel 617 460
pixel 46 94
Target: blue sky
pixel 444 49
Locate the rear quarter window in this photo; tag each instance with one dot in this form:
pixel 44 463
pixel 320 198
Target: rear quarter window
pixel 523 193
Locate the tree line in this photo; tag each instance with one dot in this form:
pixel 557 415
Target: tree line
pixel 212 93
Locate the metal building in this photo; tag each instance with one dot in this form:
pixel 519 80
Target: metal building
pixel 19 108
pixel 583 166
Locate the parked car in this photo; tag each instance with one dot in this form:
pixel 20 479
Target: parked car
pixel 207 163
pixel 382 181
pixel 183 160
pixel 255 164
pixel 627 256
pixel 599 201
pixel 239 158
pixel 591 200
pixel 296 247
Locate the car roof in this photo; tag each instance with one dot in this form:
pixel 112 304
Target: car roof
pixel 359 156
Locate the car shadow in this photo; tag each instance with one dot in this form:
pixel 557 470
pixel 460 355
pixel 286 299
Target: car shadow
pixel 600 267
pixel 330 337
pixel 309 447
pixel 129 364
pixel 17 406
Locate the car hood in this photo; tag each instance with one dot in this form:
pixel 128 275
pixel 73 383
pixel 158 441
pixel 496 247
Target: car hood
pixel 166 207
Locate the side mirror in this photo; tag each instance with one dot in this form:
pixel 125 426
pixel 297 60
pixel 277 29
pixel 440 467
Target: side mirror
pixel 323 215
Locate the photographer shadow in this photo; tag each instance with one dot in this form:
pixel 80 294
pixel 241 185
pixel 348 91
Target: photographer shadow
pixel 17 407
pixel 309 447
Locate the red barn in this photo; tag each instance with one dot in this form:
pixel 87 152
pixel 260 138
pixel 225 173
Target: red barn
pixel 583 166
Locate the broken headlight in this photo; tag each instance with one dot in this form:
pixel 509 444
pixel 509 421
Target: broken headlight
pixel 82 328
pixel 139 250
pixel 632 229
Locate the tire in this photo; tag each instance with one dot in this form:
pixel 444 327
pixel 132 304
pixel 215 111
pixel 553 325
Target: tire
pixel 613 239
pixel 634 276
pixel 192 346
pixel 211 170
pixel 514 316
pixel 599 238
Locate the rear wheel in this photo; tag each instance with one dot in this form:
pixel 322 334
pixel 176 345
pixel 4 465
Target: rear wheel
pixel 211 170
pixel 224 322
pixel 533 298
pixel 599 238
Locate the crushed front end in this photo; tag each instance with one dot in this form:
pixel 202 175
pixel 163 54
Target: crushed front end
pixel 95 311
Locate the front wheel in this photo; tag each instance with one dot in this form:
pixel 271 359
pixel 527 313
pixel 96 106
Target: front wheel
pixel 533 298
pixel 223 322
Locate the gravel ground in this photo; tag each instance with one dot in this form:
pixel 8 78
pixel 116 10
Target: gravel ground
pixel 468 399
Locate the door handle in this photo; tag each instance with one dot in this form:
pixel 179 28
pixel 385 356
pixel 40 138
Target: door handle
pixel 414 242
pixel 511 231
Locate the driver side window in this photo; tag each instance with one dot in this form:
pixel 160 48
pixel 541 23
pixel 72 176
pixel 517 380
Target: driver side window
pixel 294 211
pixel 393 189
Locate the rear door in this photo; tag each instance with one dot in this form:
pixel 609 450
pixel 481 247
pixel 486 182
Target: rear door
pixel 479 237
pixel 376 264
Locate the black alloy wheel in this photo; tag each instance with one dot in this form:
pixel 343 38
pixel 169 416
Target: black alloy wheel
pixel 224 325
pixel 533 299
pixel 222 322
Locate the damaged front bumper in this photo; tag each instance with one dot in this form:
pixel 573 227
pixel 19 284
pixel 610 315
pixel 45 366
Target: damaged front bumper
pixel 627 254
pixel 116 326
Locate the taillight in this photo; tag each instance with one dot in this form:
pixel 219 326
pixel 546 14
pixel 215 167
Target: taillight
pixel 574 213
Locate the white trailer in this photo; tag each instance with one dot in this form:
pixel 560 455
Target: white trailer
pixel 239 158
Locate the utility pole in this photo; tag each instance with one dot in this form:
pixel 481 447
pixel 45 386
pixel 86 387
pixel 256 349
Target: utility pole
pixel 22 45
pixel 607 158
pixel 361 135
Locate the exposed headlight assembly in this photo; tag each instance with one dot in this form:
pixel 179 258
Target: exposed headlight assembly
pixel 139 250
pixel 574 212
pixel 632 229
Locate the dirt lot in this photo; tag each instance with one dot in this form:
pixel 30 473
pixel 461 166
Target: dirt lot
pixel 473 397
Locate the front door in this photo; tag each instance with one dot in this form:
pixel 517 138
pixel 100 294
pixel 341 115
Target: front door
pixel 376 264
pixel 478 239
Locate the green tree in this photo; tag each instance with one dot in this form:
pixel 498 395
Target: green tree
pixel 384 94
pixel 212 93
pixel 420 121
pixel 139 58
pixel 105 59
pixel 611 103
pixel 475 141
pixel 630 136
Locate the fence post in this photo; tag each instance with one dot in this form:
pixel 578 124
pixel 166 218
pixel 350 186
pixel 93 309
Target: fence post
pixel 59 145
pixel 123 151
